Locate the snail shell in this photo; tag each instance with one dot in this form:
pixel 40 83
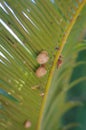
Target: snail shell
pixel 27 124
pixel 43 57
pixel 59 62
pixel 41 71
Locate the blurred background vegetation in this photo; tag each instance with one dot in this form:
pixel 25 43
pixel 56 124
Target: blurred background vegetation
pixel 26 28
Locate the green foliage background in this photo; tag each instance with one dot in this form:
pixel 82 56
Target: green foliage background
pixel 36 26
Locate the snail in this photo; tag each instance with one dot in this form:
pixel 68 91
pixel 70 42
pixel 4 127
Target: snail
pixel 43 57
pixel 41 71
pixel 27 124
pixel 59 62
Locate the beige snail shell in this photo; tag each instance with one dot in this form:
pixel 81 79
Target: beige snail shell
pixel 43 57
pixel 27 124
pixel 41 71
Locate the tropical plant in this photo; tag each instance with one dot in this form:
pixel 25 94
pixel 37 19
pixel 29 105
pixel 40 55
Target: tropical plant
pixel 56 101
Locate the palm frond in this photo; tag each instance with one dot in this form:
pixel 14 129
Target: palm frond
pixel 27 28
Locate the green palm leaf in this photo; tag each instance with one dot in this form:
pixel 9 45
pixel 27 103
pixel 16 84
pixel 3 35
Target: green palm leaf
pixel 27 28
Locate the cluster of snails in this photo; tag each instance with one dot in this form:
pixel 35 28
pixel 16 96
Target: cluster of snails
pixel 42 58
